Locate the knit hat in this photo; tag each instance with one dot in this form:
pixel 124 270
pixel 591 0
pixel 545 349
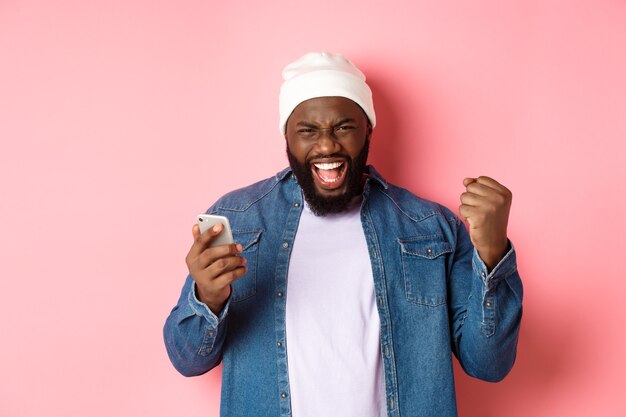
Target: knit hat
pixel 322 74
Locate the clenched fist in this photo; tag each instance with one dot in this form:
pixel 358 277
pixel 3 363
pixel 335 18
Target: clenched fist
pixel 485 205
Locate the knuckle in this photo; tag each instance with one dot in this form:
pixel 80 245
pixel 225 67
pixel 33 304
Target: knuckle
pixel 206 257
pixel 221 251
pixel 499 200
pixel 220 264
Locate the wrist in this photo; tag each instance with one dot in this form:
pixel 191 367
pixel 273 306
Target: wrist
pixel 493 254
pixel 215 305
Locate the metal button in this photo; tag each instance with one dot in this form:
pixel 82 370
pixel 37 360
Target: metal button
pixel 279 293
pixel 487 303
pixel 283 395
pixel 211 334
pixel 279 344
pixel 429 250
pixel 285 245
pixel 373 253
pixel 296 205
pixel 483 274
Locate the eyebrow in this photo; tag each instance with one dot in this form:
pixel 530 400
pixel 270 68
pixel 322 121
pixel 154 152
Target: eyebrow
pixel 338 123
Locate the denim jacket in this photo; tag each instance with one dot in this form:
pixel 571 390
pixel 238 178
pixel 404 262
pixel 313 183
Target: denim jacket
pixel 435 297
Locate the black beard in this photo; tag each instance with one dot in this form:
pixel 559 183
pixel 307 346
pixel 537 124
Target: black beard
pixel 322 205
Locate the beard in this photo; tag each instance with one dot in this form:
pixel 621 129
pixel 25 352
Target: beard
pixel 322 205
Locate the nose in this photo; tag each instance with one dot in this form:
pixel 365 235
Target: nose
pixel 327 143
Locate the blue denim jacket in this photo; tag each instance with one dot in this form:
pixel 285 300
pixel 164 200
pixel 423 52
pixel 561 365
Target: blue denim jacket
pixel 435 297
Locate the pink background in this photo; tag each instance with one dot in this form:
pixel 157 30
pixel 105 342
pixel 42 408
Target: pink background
pixel 120 120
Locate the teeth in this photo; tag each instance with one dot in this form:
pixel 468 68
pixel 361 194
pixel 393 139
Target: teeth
pixel 327 166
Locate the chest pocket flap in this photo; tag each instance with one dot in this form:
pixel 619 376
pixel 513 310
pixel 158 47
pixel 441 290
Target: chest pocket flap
pixel 245 287
pixel 424 261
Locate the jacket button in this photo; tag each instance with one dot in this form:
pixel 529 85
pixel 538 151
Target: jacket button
pixel 283 395
pixel 285 245
pixel 279 293
pixel 296 205
pixel 429 250
pixel 279 344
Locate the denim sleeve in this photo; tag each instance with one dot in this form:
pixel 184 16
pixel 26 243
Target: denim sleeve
pixel 193 334
pixel 486 311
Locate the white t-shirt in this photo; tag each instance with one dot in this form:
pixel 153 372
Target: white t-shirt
pixel 332 324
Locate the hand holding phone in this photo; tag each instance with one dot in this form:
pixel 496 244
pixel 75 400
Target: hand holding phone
pixel 206 221
pixel 214 262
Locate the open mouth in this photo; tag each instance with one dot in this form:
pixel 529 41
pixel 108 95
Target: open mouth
pixel 329 175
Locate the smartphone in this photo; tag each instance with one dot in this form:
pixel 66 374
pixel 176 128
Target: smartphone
pixel 206 221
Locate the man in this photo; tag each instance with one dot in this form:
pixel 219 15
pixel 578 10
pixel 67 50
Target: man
pixel 345 295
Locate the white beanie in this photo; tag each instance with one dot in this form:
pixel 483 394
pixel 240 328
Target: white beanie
pixel 322 74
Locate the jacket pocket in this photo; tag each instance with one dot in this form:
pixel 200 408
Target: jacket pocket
pixel 245 287
pixel 424 269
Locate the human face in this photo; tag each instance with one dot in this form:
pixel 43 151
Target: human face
pixel 326 135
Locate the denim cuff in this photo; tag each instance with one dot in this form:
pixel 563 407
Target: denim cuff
pixel 504 268
pixel 202 310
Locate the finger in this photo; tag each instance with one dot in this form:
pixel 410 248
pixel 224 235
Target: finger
pixel 494 185
pixel 471 199
pixel 211 255
pixel 468 181
pixel 489 182
pixel 211 277
pixel 203 241
pixel 210 233
pixel 206 274
pixel 225 265
pixel 480 189
pixel 473 216
pixel 467 212
pixel 195 231
pixel 230 276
